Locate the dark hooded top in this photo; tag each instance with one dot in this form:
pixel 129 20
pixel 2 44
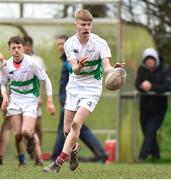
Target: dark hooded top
pixel 158 78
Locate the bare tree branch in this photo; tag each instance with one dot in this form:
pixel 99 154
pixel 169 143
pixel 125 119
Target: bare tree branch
pixel 158 22
pixel 20 28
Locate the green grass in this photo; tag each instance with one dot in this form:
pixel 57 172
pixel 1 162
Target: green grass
pixel 89 171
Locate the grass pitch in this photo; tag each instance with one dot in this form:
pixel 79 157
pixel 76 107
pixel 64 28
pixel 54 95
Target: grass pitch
pixel 10 170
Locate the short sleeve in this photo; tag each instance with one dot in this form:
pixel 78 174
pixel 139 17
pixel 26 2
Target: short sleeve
pixel 105 50
pixel 39 71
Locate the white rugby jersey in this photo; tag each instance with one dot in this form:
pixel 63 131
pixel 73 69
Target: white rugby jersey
pixel 96 50
pixel 23 81
pixel 39 60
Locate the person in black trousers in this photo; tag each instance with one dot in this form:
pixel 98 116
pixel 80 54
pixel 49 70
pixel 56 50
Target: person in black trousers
pixel 151 76
pixel 86 134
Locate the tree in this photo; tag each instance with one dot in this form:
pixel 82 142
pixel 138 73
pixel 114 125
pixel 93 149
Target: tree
pixel 155 17
pixel 18 26
pixel 97 10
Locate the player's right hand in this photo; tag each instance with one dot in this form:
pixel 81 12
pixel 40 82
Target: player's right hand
pixel 1 58
pixel 82 61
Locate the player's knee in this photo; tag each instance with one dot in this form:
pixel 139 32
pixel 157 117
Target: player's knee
pixel 74 125
pixel 26 133
pixel 76 129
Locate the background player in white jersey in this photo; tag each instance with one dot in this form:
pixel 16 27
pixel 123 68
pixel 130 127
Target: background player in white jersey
pixel 22 73
pixel 88 55
pixel 6 125
pixel 37 155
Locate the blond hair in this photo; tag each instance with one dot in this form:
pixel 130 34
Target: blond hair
pixel 84 15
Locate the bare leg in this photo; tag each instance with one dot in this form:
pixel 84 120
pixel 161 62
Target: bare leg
pixel 28 132
pixel 79 118
pixel 4 137
pixel 16 123
pixel 28 126
pixel 38 152
pixel 72 125
pixel 38 139
pixel 68 118
pixel 38 129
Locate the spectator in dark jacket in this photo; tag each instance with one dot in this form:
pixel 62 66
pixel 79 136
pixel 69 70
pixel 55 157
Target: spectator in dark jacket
pixel 86 134
pixel 151 77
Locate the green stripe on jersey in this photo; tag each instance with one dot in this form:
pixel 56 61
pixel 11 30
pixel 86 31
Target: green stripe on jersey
pixel 35 83
pixel 97 72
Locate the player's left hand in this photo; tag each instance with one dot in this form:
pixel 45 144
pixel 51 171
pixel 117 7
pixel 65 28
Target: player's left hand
pixel 51 108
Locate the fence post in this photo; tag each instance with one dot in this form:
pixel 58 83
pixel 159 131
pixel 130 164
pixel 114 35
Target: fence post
pixel 135 128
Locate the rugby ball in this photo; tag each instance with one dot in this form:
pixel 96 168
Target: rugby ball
pixel 115 78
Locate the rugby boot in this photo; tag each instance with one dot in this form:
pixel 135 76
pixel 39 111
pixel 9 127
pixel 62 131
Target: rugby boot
pixel 55 166
pixel 38 162
pixel 22 164
pixel 74 160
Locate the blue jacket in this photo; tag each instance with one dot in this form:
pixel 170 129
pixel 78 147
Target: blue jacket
pixel 64 78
